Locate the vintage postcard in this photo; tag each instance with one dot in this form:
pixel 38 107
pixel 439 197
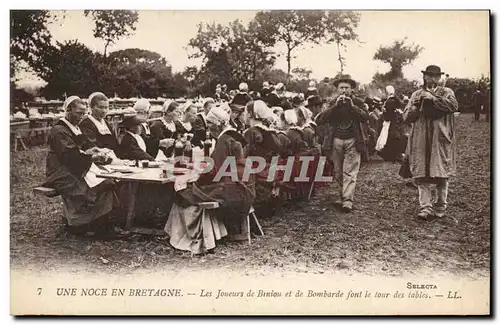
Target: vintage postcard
pixel 266 162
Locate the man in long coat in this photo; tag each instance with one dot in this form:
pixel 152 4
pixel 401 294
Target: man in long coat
pixel 431 144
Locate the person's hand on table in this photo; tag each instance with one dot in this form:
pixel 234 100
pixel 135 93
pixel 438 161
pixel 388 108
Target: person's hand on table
pixel 167 143
pixel 92 151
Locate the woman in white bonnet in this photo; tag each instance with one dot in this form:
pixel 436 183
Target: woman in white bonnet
pixel 71 158
pixel 166 127
pixel 95 127
pixel 235 196
pixel 262 142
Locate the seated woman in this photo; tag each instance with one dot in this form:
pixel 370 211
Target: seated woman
pixel 311 147
pixel 95 127
pixel 132 145
pixel 262 142
pixel 187 228
pixel 184 126
pixel 236 117
pixel 166 127
pixel 142 108
pixel 153 201
pixel 200 123
pixel 71 171
pixel 298 146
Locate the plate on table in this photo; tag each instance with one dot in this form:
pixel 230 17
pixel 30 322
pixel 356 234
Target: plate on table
pixel 180 171
pixel 124 170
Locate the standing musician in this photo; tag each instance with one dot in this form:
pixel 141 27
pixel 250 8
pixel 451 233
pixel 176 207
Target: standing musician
pixel 346 140
pixel 431 144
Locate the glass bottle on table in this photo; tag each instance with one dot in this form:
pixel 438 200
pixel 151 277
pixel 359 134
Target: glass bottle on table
pixel 178 147
pixel 188 150
pixel 207 144
pixel 178 152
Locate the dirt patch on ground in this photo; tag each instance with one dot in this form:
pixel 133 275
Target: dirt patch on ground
pixel 380 237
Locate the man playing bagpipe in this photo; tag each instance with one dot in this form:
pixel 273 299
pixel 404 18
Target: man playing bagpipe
pixel 346 140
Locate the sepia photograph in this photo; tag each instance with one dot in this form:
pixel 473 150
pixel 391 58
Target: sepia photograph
pixel 250 162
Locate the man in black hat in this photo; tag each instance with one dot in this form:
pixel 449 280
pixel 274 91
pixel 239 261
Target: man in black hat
pixel 431 143
pixel 478 103
pixel 315 104
pixel 346 140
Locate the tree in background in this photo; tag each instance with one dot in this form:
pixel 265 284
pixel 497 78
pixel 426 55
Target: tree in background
pixel 69 67
pixel 397 56
pixel 340 28
pixel 230 54
pixel 302 73
pixel 138 72
pixel 465 87
pixel 292 28
pixel 29 36
pixel 112 25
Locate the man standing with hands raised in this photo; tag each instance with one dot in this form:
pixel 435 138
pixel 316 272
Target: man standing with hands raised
pixel 431 144
pixel 346 141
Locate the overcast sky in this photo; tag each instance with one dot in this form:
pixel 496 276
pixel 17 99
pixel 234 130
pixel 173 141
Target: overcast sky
pixel 458 41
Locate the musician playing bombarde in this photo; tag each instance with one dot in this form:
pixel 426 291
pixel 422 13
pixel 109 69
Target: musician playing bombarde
pixel 431 144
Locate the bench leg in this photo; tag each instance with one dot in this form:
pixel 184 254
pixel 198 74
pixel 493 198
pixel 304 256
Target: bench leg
pixel 310 191
pixel 249 232
pixel 22 143
pixel 132 192
pixel 256 222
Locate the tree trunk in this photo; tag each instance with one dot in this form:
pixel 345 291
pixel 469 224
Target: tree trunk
pixel 254 70
pixel 106 47
pixel 288 60
pixel 341 60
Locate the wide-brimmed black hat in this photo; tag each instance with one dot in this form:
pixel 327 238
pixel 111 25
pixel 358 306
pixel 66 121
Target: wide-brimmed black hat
pixel 129 121
pixel 432 70
pixel 314 101
pixel 297 100
pixel 345 78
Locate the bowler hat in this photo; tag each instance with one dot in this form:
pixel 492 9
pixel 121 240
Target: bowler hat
pixel 432 70
pixel 344 78
pixel 129 121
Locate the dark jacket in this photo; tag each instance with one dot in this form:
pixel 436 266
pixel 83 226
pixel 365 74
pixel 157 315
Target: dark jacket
pixel 66 164
pixel 159 131
pixel 334 114
pixel 152 142
pixel 89 129
pixel 199 131
pixel 129 149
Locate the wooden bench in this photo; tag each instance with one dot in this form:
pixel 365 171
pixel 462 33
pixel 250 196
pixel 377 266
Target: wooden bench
pixel 45 191
pixel 161 232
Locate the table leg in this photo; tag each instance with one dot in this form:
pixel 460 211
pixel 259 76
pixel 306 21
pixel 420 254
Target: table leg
pixel 132 192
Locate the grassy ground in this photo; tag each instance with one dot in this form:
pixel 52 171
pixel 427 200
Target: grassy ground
pixel 381 236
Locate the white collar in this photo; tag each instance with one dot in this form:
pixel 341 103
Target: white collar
pixel 203 117
pixel 75 129
pixel 186 125
pixel 146 128
pixel 309 123
pixel 229 128
pixel 102 127
pixel 294 127
pixel 262 126
pixel 169 125
pixel 139 139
